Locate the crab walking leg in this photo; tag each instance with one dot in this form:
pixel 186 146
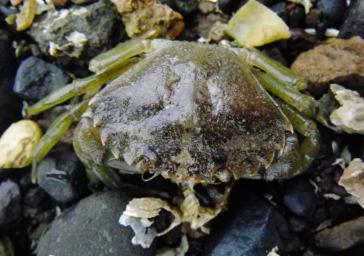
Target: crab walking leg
pixel 107 176
pixel 255 58
pixel 310 146
pixel 305 104
pixel 119 54
pixel 76 88
pixel 54 134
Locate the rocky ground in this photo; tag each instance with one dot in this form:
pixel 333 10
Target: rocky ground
pixel 66 214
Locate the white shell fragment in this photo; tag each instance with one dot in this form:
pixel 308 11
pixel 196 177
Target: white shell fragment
pixel 17 144
pixel 77 38
pixel 349 117
pixel 138 214
pixel 352 180
pixel 76 41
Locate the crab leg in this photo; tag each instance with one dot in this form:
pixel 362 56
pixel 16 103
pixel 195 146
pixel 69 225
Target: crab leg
pixel 107 176
pixel 54 134
pixel 310 146
pixel 108 66
pixel 255 58
pixel 119 54
pixel 76 88
pixel 305 104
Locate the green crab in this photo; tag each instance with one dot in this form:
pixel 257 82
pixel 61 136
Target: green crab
pixel 192 113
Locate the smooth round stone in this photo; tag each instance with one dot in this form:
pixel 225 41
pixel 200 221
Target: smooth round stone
pixel 91 228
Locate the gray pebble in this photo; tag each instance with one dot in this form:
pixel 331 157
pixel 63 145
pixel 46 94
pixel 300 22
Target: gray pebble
pixel 91 228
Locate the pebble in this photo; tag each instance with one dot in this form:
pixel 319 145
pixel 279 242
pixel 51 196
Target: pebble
pixel 91 228
pixel 78 32
pixel 300 198
pixel 313 18
pixel 228 6
pixel 341 237
pixel 354 22
pixel 10 204
pixel 280 9
pixel 62 176
pixel 34 197
pixel 335 61
pixel 296 17
pixel 182 6
pixel 10 105
pixel 252 227
pixel 297 224
pixel 36 78
pixel 332 11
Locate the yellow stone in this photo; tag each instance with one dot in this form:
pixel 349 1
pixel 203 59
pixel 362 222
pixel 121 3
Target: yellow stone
pixel 26 16
pixel 254 25
pixel 17 144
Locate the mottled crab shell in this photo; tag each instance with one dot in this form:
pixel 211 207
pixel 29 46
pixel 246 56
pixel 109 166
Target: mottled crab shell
pixel 190 112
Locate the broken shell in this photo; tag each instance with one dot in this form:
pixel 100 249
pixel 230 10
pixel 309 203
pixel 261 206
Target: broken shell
pixel 349 116
pixel 138 214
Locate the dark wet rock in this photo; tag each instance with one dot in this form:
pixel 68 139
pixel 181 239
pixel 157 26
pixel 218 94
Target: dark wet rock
pixel 91 228
pixel 10 204
pixel 252 227
pixel 338 210
pixel 4 2
pixel 354 22
pixel 10 105
pixel 280 9
pixel 36 78
pixel 6 246
pixel 299 42
pixel 332 11
pixel 321 29
pixel 321 214
pixel 335 61
pixel 342 236
pixel 62 176
pixel 182 6
pixel 186 6
pixel 297 224
pixel 313 18
pixel 229 6
pixel 25 182
pixel 34 197
pixel 300 198
pixel 77 32
pixel 296 16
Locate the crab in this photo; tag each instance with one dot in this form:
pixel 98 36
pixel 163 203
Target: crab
pixel 192 113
